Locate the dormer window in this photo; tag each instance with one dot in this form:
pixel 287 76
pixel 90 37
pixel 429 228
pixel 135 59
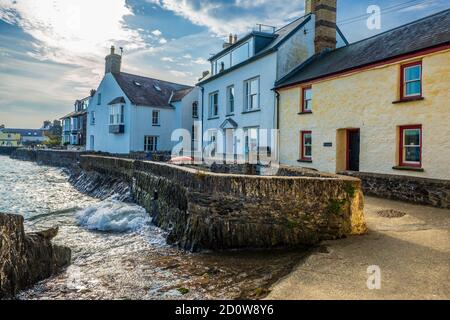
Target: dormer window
pixel 233 57
pixel 138 84
pixel 157 87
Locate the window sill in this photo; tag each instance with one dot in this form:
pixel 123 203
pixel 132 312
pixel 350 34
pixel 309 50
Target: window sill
pixel 404 100
pixel 305 160
pixel 305 112
pixel 230 115
pixel 213 118
pixel 156 125
pixel 405 168
pixel 251 111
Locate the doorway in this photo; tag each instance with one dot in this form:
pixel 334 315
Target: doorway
pixel 353 149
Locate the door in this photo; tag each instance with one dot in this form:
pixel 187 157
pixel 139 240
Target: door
pixel 353 149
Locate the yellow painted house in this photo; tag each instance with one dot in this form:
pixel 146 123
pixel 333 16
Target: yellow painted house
pixel 9 139
pixel 380 105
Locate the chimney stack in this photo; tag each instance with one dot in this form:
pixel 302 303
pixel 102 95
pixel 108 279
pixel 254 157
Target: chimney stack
pixel 325 28
pixel 113 62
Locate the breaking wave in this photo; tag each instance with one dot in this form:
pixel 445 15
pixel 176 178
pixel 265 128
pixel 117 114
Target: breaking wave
pixel 112 215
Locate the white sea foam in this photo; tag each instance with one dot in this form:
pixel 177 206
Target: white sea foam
pixel 111 215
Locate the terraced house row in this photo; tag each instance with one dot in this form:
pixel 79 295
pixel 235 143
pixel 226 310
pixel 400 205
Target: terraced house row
pixel 378 106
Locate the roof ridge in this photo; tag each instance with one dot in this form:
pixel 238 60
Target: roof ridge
pixel 154 79
pixel 292 22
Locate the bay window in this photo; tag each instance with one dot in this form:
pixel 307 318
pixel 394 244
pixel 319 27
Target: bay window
pixel 116 114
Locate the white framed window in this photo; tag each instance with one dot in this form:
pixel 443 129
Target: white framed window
pixel 412 80
pixel 150 143
pixel 155 118
pixel 306 145
pixel 195 110
pixel 214 104
pixel 251 135
pixel 306 99
pixel 251 91
pixel 230 99
pixel 116 114
pixel 74 123
pixel 92 117
pixel 411 146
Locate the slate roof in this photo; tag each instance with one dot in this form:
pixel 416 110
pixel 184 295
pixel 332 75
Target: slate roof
pixel 25 132
pixel 144 91
pixel 74 114
pixel 180 94
pixel 422 34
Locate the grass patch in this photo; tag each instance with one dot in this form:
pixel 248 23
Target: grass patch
pixel 349 189
pixel 335 206
pixel 183 291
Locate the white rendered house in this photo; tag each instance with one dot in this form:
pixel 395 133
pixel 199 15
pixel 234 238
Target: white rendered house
pixel 237 99
pixel 130 113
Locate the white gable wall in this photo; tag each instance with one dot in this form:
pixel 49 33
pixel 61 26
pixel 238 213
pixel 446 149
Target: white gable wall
pixel 103 140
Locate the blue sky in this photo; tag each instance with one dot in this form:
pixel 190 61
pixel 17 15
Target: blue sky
pixel 52 51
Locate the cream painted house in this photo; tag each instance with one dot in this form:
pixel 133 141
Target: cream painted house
pixel 381 105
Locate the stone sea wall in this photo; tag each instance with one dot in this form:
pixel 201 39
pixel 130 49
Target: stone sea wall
pixel 203 210
pixel 7 151
pixel 58 158
pixel 430 192
pixel 26 259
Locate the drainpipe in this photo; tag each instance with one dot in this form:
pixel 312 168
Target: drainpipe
pixel 201 133
pixel 277 121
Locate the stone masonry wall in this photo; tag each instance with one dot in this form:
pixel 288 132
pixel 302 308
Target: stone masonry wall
pixel 222 211
pixel 58 158
pixel 430 192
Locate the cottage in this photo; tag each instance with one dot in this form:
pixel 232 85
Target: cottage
pixel 130 113
pixel 27 136
pixel 9 139
pixel 74 125
pixel 380 105
pixel 238 94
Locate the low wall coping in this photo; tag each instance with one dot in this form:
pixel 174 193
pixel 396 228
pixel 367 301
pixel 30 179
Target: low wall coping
pixel 213 174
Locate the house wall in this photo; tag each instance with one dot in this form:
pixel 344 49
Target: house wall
pixel 142 126
pixel 105 141
pixel 9 139
pixel 365 100
pixel 265 68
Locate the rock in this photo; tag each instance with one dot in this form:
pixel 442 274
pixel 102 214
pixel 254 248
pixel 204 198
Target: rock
pixel 26 259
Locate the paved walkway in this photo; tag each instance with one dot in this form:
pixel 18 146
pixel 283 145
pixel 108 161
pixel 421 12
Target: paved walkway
pixel 412 252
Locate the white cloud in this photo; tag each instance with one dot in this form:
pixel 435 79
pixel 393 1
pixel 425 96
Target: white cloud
pixel 162 41
pixel 72 31
pixel 201 61
pixel 167 59
pixel 157 33
pixel 216 17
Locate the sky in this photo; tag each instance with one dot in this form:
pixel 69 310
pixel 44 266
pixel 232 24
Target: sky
pixel 52 51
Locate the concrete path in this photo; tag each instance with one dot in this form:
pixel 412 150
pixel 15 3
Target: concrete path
pixel 412 252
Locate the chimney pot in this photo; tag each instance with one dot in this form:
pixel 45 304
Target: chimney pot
pixel 113 62
pixel 235 38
